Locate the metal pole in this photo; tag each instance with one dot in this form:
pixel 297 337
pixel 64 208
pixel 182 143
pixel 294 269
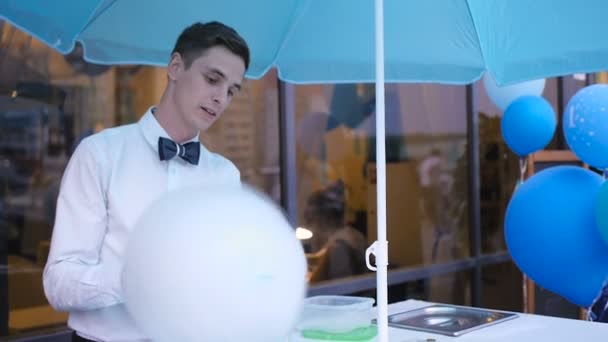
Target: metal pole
pixel 381 251
pixel 287 145
pixel 474 194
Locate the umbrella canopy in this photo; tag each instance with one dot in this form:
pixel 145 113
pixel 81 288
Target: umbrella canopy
pixel 313 41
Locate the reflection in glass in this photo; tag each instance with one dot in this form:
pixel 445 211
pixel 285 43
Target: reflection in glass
pixel 451 288
pixel 48 104
pixel 502 287
pixel 426 170
pixel 339 248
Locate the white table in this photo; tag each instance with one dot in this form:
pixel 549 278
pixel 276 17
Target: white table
pixel 525 328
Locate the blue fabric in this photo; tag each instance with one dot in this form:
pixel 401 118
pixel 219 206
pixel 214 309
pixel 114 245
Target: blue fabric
pixel 312 41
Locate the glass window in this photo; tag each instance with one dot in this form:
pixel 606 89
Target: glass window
pixel 552 94
pixel 48 103
pixel 450 288
pixel 502 287
pixel 499 171
pixel 572 84
pixel 426 174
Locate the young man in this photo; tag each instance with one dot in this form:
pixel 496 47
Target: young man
pixel 115 174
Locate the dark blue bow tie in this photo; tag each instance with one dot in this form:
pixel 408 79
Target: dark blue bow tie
pixel 168 149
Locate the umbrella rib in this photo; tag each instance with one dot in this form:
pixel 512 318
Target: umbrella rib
pixel 476 31
pixel 101 8
pixel 296 15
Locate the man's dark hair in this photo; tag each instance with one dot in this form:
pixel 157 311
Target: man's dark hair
pixel 199 37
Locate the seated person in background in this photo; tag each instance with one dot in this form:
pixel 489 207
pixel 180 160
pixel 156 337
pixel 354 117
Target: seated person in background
pixel 344 246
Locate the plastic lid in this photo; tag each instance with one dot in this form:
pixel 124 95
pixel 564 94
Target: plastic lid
pixel 339 302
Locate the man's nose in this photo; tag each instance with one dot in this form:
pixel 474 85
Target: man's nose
pixel 220 96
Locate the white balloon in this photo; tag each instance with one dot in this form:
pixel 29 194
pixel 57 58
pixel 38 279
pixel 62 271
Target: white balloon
pixel 214 264
pixel 503 96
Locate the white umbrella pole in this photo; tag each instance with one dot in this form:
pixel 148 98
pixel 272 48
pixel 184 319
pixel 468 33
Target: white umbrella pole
pixel 381 250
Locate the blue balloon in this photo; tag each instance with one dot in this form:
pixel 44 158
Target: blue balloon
pixel 551 233
pixel 503 96
pixel 601 212
pixel 585 124
pixel 528 124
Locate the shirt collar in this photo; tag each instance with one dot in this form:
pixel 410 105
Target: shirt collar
pixel 152 130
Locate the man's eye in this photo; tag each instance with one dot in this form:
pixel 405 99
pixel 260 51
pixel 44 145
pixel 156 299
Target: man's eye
pixel 211 80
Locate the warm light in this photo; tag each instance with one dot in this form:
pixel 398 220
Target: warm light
pixel 303 233
pixel 580 77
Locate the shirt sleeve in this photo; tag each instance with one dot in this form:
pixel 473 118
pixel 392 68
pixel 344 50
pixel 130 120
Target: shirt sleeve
pixel 75 277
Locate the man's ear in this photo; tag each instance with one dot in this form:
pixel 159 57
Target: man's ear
pixel 176 64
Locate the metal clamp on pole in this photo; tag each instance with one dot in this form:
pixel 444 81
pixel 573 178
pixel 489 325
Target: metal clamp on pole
pixel 381 259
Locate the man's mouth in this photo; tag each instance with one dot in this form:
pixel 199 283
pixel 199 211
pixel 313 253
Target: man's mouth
pixel 208 111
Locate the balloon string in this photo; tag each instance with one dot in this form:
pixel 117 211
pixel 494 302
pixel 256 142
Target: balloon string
pixel 523 167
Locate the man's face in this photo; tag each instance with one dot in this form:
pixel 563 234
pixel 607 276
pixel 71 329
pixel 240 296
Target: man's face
pixel 204 90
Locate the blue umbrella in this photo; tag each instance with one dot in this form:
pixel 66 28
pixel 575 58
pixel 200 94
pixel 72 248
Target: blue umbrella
pixel 313 41
pixel 339 41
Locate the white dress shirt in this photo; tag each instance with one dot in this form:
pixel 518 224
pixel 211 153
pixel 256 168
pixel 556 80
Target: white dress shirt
pixel 110 179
